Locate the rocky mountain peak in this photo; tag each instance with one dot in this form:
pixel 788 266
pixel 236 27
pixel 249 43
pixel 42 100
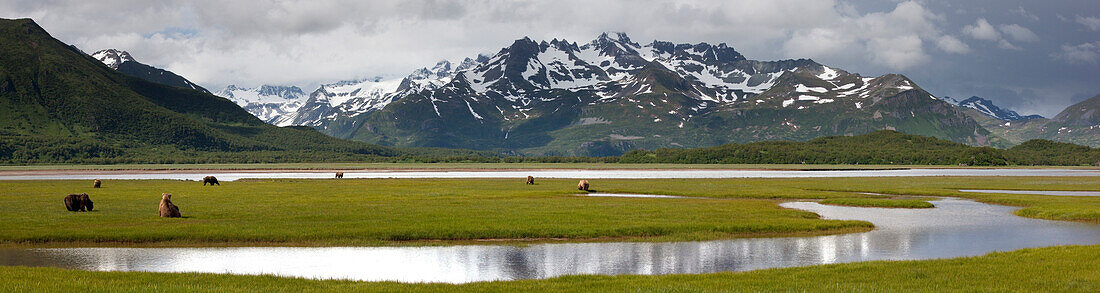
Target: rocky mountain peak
pixel 987 107
pixel 113 57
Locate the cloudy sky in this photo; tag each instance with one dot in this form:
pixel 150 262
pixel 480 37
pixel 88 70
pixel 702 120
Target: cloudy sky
pixel 1033 56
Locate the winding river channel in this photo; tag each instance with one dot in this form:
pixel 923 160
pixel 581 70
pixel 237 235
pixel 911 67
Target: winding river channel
pixel 954 228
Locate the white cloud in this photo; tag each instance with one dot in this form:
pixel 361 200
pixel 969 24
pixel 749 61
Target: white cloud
pixel 1004 44
pixel 892 39
pixel 1086 52
pixel 982 30
pixel 1018 33
pixel 1024 13
pixel 1091 22
pixel 897 52
pixel 951 44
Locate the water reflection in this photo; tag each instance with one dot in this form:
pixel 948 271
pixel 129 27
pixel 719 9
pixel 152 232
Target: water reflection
pixel 589 174
pixel 954 228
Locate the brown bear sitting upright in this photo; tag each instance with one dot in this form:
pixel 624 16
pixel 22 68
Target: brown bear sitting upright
pixel 583 185
pixel 167 209
pixel 78 202
pixel 530 180
pixel 96 183
pixel 211 180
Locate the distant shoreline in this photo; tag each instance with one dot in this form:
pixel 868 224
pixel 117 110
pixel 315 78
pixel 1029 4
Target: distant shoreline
pixel 461 167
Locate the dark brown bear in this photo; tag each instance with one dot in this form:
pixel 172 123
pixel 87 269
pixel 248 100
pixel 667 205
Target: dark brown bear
pixel 211 180
pixel 339 174
pixel 78 202
pixel 87 201
pixel 96 183
pixel 583 185
pixel 530 180
pixel 167 209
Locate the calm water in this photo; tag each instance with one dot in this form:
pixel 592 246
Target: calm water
pixel 589 174
pixel 1039 192
pixel 954 228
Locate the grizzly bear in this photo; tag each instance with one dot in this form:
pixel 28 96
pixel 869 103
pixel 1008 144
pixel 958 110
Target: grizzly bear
pixel 211 180
pixel 167 209
pixel 78 202
pixel 530 180
pixel 583 185
pixel 96 183
pixel 87 201
pixel 339 174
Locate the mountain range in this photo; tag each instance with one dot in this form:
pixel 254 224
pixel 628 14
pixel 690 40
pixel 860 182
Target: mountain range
pixel 60 105
pixel 611 95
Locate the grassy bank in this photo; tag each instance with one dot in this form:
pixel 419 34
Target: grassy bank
pixel 879 203
pixel 444 211
pixel 1052 269
pixel 379 211
pixel 449 166
pixel 496 166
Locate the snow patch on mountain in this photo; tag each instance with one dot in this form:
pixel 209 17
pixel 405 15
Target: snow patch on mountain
pixel 272 104
pixel 113 57
pixel 988 108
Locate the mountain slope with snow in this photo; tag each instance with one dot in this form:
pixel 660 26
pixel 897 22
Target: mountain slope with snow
pixel 612 95
pixel 272 104
pixel 123 62
pixel 988 108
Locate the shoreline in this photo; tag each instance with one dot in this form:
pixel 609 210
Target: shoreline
pixel 468 167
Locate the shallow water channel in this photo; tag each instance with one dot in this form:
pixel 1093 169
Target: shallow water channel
pixel 588 174
pixel 954 228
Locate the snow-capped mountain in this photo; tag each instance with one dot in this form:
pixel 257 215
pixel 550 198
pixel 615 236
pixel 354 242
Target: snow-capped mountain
pixel 611 94
pixel 272 104
pixel 112 58
pixel 123 62
pixel 988 108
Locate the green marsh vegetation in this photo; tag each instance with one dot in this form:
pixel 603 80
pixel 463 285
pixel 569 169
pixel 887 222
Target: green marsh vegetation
pixel 879 202
pixel 1051 269
pixel 447 211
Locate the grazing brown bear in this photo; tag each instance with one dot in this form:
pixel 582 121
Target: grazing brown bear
pixel 339 174
pixel 530 180
pixel 87 201
pixel 167 209
pixel 210 179
pixel 96 183
pixel 583 185
pixel 78 202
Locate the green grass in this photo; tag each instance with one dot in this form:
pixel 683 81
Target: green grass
pixel 378 211
pixel 1052 269
pixel 879 202
pixel 492 166
pixel 446 211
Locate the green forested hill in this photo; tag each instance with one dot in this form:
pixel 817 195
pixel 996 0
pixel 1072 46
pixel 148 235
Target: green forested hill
pixel 880 147
pixel 58 105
